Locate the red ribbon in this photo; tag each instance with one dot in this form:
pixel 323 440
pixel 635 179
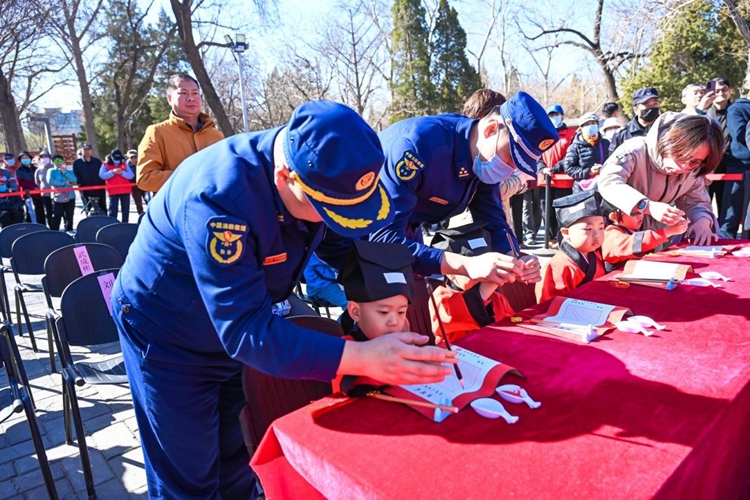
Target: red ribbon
pixel 61 190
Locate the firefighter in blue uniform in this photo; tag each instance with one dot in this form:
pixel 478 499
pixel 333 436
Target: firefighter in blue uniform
pixel 437 166
pixel 226 237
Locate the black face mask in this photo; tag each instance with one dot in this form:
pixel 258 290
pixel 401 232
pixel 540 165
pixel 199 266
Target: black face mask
pixel 649 115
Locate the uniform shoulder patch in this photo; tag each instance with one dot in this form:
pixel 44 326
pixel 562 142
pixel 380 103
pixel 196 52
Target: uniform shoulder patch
pixel 225 242
pixel 409 166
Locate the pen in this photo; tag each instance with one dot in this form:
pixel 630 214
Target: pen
pixel 459 376
pixel 516 255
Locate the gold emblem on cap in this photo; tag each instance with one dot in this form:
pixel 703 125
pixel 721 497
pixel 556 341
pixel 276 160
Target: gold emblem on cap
pixel 545 144
pixel 365 181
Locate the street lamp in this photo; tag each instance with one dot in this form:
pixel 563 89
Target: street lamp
pixel 238 46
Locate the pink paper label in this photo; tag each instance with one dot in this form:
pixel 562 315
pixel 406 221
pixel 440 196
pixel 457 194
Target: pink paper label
pixel 84 262
pixel 106 283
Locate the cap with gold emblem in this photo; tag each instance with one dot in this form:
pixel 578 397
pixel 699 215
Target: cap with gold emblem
pixel 530 129
pixel 335 158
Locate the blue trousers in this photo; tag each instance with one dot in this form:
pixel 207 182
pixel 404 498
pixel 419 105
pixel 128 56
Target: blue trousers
pixel 188 421
pixel 124 201
pixel 732 209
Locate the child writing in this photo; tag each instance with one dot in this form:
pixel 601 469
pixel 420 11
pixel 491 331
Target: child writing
pixel 465 305
pixel 378 282
pixel 579 259
pixel 624 240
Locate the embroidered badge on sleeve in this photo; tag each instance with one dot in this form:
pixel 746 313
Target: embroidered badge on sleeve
pixel 225 242
pixel 408 166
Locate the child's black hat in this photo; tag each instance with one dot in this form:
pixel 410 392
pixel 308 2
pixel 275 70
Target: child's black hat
pixel 469 240
pixel 375 271
pixel 571 208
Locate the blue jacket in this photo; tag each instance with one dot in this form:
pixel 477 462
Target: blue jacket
pixel 215 250
pixel 738 116
pixel 428 173
pixel 57 178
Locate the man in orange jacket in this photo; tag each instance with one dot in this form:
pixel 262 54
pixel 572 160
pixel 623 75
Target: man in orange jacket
pixel 187 131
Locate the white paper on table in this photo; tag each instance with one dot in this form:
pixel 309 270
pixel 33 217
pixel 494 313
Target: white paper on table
pixel 474 368
pixel 581 312
pixel 707 249
pixel 648 269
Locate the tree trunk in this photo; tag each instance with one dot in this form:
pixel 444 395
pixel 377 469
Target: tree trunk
pixel 609 76
pixel 185 30
pixel 9 114
pixel 88 108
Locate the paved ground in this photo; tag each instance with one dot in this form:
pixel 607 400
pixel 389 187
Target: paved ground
pixel 108 420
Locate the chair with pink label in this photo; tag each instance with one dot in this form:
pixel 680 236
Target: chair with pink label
pixel 65 265
pixel 86 321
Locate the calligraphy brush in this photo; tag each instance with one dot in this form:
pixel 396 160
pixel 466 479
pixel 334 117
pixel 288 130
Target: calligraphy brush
pixel 427 280
pixel 412 402
pixel 516 253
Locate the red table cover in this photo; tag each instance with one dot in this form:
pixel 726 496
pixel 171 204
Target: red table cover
pixel 624 417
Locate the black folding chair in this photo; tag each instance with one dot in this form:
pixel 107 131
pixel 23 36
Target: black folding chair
pixel 316 304
pixel 269 397
pixel 28 255
pixel 88 227
pixel 118 236
pixel 7 236
pixel 16 398
pixel 85 321
pixel 67 264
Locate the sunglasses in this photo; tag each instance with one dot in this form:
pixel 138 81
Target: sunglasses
pixel 58 160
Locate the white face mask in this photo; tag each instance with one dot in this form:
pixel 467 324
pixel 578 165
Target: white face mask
pixel 556 120
pixel 45 161
pixel 493 171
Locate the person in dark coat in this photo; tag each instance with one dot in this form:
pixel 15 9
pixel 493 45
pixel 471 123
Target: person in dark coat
pixel 646 109
pixel 25 179
pixel 586 154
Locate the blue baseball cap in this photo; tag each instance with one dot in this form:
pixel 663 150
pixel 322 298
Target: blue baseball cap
pixel 335 157
pixel 555 108
pixel 642 95
pixel 531 131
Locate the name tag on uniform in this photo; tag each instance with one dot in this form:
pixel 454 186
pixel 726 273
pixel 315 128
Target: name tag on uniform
pixel 274 259
pixel 477 243
pixel 439 200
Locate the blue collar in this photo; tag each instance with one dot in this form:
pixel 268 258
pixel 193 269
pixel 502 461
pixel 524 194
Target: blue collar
pixel 462 160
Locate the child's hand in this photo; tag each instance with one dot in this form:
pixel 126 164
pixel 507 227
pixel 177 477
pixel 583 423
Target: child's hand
pixel 532 269
pixel 486 289
pixel 678 228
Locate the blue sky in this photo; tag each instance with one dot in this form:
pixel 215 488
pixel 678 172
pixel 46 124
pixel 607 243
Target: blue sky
pixel 301 18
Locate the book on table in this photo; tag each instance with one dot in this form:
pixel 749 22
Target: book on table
pixel 481 376
pixel 653 273
pixel 575 319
